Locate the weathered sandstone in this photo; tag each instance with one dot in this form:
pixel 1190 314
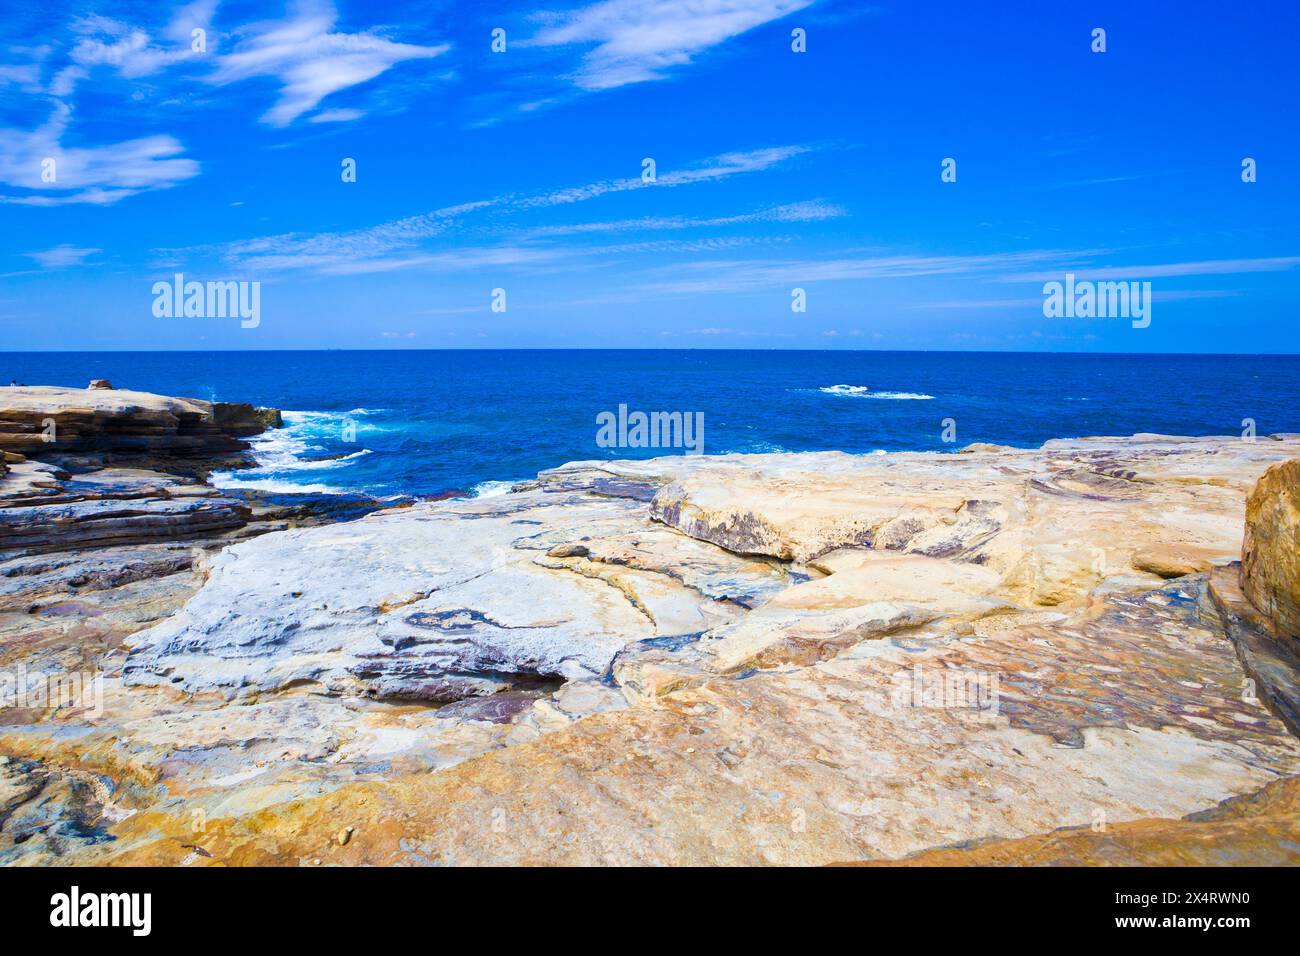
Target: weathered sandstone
pixel 43 420
pixel 1012 654
pixel 1261 829
pixel 1270 554
pixel 79 494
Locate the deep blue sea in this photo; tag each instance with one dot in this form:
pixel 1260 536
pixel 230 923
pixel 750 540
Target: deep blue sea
pixel 430 422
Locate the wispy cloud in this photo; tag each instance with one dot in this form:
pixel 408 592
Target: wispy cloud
pixel 311 61
pixel 1029 303
pixel 702 278
pixel 1204 267
pixel 396 245
pixel 25 76
pixel 815 210
pixel 92 174
pixel 638 40
pixel 60 257
pixel 349 251
pixel 718 167
pixel 129 49
pixel 303 52
pixel 336 116
pixel 1036 303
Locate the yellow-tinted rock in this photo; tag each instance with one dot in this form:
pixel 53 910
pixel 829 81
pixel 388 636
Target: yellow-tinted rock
pixel 1173 561
pixel 815 658
pixel 1262 828
pixel 1270 554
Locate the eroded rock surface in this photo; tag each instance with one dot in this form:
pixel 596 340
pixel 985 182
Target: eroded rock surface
pixel 742 659
pixel 88 468
pixel 435 602
pixel 102 533
pixel 1270 555
pixel 47 419
pixel 1258 599
pixel 1261 829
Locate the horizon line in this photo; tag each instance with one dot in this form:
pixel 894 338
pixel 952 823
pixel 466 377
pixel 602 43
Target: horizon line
pixel 1107 352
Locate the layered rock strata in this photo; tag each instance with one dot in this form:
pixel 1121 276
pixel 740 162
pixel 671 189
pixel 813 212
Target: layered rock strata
pixel 44 420
pixel 89 467
pixel 1270 553
pixel 1260 600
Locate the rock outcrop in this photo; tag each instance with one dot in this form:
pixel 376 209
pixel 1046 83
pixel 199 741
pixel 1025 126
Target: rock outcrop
pixel 113 506
pixel 1259 601
pixel 42 420
pixel 1270 553
pixel 99 537
pixel 794 659
pixel 76 495
pixel 552 581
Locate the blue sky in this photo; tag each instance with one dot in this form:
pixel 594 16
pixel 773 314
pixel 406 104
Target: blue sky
pixel 775 170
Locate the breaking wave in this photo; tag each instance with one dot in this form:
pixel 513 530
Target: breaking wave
pixel 862 391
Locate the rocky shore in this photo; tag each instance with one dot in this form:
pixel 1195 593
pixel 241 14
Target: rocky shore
pixel 1048 655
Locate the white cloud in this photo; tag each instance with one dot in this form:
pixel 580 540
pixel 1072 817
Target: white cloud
pixel 980 304
pixel 60 257
pixel 356 250
pixel 97 174
pixel 462 259
pixel 1036 302
pixel 810 211
pixel 336 116
pixel 129 49
pixel 1204 267
pixel 196 15
pixel 639 40
pixel 702 278
pixel 719 167
pixel 389 246
pixel 130 53
pixel 303 52
pixel 312 62
pixel 26 76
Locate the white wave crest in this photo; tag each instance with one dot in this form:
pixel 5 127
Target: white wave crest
pixel 291 449
pixel 845 390
pixel 862 391
pixel 491 489
pixel 228 481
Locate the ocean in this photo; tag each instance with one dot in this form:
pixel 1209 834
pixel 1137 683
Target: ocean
pixel 422 423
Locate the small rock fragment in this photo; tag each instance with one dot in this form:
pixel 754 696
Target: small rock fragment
pixel 568 551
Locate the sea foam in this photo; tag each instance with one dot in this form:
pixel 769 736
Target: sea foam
pixel 862 391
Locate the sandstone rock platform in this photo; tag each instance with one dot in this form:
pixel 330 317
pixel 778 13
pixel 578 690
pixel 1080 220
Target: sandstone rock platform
pixel 780 659
pixel 45 420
